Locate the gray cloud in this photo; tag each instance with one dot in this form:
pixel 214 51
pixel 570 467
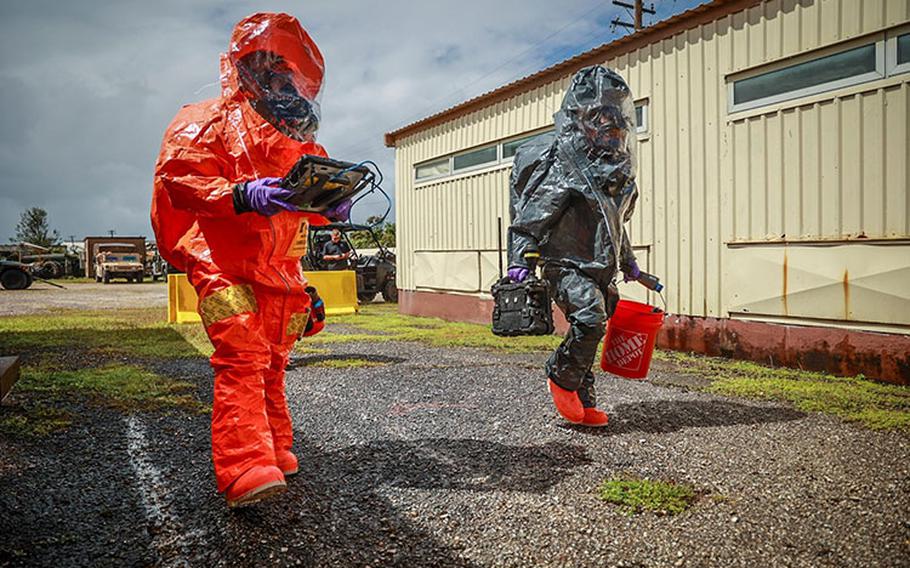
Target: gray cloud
pixel 88 88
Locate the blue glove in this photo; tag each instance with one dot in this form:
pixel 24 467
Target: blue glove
pixel 265 197
pixel 518 273
pixel 631 272
pixel 340 212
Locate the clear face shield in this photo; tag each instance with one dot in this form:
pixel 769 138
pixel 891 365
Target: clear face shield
pixel 274 88
pixel 606 136
pixel 607 132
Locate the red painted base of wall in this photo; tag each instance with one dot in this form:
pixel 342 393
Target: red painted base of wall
pixel 842 352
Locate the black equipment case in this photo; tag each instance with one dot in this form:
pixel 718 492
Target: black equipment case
pixel 522 308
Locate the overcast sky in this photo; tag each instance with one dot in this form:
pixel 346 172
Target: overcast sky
pixel 87 88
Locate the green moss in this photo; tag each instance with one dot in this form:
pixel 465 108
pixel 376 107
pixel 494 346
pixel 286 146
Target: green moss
pixel 637 495
pixel 121 386
pixel 878 406
pixel 392 326
pixel 33 422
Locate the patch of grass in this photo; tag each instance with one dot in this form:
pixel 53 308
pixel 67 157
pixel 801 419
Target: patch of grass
pixel 637 495
pixel 878 406
pixel 33 422
pixel 303 347
pixel 392 326
pixel 328 337
pixel 348 363
pixel 76 280
pixel 122 386
pixel 135 332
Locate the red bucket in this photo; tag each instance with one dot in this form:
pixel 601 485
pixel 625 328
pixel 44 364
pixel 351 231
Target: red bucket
pixel 629 343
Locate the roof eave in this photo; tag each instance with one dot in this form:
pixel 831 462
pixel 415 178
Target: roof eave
pixel 699 15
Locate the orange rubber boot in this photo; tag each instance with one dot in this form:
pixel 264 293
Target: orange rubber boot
pixel 567 403
pixel 256 484
pixel 595 418
pixel 287 463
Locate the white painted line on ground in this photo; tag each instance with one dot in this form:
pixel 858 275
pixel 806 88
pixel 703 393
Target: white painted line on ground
pixel 169 534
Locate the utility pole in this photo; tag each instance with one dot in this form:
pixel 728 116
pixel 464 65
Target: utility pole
pixel 111 231
pixel 638 10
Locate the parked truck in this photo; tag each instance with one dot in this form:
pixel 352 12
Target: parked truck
pixel 118 260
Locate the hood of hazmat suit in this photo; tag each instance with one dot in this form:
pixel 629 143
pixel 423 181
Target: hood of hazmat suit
pixel 265 119
pixel 572 190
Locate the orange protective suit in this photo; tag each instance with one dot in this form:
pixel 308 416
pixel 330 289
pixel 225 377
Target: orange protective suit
pixel 245 267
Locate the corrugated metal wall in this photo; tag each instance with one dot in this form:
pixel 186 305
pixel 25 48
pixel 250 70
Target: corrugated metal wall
pixel 713 184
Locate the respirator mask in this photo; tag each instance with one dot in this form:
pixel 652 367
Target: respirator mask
pixel 271 86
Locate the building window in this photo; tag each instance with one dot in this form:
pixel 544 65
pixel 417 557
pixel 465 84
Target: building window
pixel 849 67
pixel 899 54
pixel 433 169
pixel 641 117
pixel 498 154
pixel 511 147
pixel 476 158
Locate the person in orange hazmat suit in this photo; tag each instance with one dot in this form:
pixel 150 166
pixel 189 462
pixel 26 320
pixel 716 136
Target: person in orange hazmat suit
pixel 220 216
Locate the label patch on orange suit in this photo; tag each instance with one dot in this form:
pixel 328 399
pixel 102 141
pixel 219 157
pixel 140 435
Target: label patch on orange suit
pixel 228 302
pixel 297 323
pixel 298 245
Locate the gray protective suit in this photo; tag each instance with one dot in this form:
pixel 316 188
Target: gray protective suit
pixel 570 193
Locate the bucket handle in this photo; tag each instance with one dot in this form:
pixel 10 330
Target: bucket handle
pixel 664 300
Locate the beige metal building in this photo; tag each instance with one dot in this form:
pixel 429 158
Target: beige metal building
pixel 773 144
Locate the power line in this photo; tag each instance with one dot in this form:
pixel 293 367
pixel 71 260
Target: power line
pixel 635 11
pixel 534 46
pixel 637 16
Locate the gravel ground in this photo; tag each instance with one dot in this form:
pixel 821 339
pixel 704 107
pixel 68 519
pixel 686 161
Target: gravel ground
pixel 454 457
pixel 42 297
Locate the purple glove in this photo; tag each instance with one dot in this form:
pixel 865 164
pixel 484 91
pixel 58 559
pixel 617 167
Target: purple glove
pixel 518 273
pixel 631 272
pixel 340 212
pixel 265 197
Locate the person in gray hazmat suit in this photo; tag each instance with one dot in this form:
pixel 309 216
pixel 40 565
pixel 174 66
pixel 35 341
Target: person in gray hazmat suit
pixel 571 191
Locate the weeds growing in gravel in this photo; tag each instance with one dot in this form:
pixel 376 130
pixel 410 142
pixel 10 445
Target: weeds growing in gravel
pixel 33 421
pixel 386 324
pixel 143 332
pixel 307 348
pixel 348 363
pixel 878 406
pixel 68 357
pixel 122 386
pixel 637 495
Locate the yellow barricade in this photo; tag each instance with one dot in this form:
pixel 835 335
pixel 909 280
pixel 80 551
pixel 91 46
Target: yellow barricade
pixel 338 289
pixel 181 300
